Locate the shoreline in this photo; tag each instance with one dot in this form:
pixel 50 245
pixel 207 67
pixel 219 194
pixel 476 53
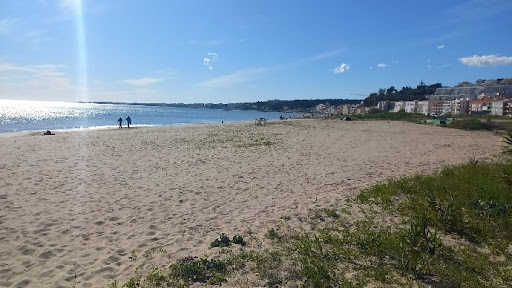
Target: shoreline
pixel 76 207
pixel 114 127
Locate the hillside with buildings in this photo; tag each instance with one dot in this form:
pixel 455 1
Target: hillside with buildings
pixel 485 97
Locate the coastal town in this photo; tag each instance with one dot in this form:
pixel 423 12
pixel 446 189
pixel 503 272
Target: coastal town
pixel 485 97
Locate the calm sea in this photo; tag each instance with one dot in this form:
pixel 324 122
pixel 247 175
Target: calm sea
pixel 19 115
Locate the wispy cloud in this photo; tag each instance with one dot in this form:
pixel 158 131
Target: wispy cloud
pixel 323 55
pixel 6 24
pixel 215 42
pixel 37 36
pixel 194 42
pixel 341 69
pixel 70 4
pixel 208 60
pixel 477 10
pixel 33 70
pixel 486 60
pixel 238 77
pixel 440 46
pixel 142 82
pixel 443 66
pixel 35 81
pixel 381 65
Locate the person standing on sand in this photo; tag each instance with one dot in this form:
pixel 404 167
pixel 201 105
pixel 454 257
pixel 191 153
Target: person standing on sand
pixel 120 120
pixel 128 121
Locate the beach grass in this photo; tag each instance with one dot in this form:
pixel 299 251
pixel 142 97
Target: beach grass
pixel 452 228
pixel 390 116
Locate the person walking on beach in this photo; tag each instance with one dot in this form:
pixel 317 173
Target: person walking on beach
pixel 128 121
pixel 120 120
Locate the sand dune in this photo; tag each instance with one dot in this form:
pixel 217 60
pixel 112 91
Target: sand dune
pixel 78 207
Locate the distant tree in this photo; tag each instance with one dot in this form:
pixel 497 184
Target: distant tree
pixel 406 94
pixel 391 90
pixel 371 100
pixel 465 84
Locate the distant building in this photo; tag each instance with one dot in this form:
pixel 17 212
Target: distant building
pixel 347 109
pixel 503 89
pixel 486 97
pixel 481 106
pixel 385 105
pixel 399 106
pixel 410 106
pixel 322 107
pixel 500 107
pixel 447 107
pixel 422 107
pixel 460 106
pixel 436 106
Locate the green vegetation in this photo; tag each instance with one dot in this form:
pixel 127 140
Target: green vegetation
pixel 405 94
pixel 473 123
pixel 508 143
pixel 470 205
pixel 271 105
pixel 273 235
pixel 468 124
pixel 452 228
pixel 237 239
pixel 391 116
pixel 464 122
pixel 224 241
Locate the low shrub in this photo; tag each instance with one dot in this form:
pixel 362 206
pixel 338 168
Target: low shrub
pixel 468 124
pixel 222 241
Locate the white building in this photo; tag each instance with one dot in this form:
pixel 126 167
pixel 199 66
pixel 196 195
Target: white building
pixel 422 107
pixel 410 107
pixel 448 107
pixel 399 106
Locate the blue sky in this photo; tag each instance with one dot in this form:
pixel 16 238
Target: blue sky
pixel 242 51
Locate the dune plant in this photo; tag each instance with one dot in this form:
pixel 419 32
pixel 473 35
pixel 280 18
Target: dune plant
pixel 237 239
pixel 222 241
pixel 508 143
pixel 452 228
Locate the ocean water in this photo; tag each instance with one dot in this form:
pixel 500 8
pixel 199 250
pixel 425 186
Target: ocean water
pixel 20 115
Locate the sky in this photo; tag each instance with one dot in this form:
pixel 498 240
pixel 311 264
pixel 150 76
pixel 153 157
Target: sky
pixel 228 51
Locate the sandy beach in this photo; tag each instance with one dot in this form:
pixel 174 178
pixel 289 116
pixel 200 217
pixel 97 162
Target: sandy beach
pixel 81 208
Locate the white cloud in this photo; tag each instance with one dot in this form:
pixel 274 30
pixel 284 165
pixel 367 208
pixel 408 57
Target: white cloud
pixel 394 62
pixel 440 46
pixel 381 65
pixel 208 61
pixel 141 82
pixel 341 69
pixel 238 77
pixel 486 60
